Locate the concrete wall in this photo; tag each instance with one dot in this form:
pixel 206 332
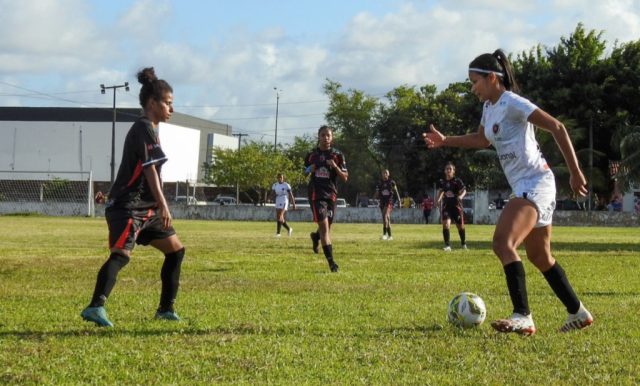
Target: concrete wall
pixel 344 215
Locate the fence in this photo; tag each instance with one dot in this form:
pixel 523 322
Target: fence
pixel 55 193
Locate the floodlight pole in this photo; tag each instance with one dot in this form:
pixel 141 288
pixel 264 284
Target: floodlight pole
pixel 113 124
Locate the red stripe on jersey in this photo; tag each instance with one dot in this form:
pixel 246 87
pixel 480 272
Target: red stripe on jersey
pixel 136 174
pixel 120 244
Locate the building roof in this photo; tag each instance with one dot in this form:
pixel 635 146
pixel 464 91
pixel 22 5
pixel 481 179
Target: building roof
pixel 95 114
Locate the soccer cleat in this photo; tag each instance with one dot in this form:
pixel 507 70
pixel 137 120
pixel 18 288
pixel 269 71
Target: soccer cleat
pixel 518 323
pixel 577 321
pixel 464 246
pixel 333 267
pixel 97 315
pixel 447 249
pixel 389 238
pixel 167 315
pixel 315 240
pixel 277 235
pixel 290 231
pixel 383 237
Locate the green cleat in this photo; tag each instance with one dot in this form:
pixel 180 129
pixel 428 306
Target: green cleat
pixel 168 315
pixel 97 315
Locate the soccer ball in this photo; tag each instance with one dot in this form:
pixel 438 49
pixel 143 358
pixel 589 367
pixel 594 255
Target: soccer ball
pixel 466 310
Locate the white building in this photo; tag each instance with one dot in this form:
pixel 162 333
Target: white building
pixel 54 139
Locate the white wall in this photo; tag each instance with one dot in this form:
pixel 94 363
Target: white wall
pixel 86 146
pixel 60 146
pixel 181 145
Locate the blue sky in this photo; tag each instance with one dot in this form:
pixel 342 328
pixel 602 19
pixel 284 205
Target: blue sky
pixel 223 58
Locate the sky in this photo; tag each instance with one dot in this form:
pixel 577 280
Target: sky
pixel 238 61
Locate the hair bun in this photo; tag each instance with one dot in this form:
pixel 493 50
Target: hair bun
pixel 147 75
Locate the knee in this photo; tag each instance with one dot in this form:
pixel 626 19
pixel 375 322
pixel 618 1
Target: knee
pixel 119 258
pixel 179 254
pixel 502 246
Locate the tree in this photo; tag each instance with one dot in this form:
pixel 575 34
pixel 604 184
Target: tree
pixel 253 167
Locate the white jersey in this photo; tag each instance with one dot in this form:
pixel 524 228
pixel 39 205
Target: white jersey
pixel 506 127
pixel 282 194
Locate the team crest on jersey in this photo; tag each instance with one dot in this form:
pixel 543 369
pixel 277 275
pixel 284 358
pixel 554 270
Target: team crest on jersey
pixel 496 128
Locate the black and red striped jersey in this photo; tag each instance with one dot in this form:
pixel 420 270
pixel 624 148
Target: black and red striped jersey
pixel 386 190
pixel 141 149
pixel 452 189
pixel 323 181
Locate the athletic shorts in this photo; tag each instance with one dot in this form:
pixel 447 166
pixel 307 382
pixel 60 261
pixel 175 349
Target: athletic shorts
pixel 453 213
pixel 282 202
pixel 128 227
pixel 386 204
pixel 323 209
pixel 545 203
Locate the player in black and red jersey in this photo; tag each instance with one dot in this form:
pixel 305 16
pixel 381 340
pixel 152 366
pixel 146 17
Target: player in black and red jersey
pixel 325 164
pixel 450 194
pixel 137 211
pixel 386 192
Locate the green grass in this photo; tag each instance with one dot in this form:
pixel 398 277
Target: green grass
pixel 259 310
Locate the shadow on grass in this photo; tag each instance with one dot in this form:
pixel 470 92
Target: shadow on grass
pixel 223 332
pixel 556 246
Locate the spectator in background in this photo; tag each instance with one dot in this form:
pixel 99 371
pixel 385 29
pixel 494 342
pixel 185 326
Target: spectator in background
pixel 616 204
pixel 407 201
pixel 499 201
pixel 427 206
pixel 100 199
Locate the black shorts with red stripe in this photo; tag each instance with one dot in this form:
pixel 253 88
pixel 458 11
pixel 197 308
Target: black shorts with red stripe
pixel 323 209
pixel 453 213
pixel 128 227
pixel 386 204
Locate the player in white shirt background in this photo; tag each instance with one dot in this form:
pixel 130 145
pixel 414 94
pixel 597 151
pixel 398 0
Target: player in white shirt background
pixel 507 123
pixel 282 192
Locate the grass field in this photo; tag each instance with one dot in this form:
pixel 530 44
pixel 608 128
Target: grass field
pixel 259 310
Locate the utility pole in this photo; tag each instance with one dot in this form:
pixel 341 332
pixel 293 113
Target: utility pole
pixel 239 135
pixel 103 89
pixel 275 143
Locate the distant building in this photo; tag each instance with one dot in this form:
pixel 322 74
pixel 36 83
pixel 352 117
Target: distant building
pixel 42 139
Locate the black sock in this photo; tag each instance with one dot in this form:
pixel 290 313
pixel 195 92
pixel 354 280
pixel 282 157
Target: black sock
pixel 170 275
pixel 517 285
pixel 384 230
pixel 328 251
pixel 389 231
pixel 446 235
pixel 278 227
pixel 463 236
pixel 107 278
pixel 286 226
pixel 558 281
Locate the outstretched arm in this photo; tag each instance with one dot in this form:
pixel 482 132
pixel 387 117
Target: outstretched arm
pixel 550 124
pixel 435 139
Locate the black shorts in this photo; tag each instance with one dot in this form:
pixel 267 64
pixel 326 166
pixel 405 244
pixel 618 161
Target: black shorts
pixel 323 209
pixel 384 204
pixel 128 227
pixel 453 213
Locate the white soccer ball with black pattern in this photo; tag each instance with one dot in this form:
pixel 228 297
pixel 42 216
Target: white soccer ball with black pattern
pixel 466 310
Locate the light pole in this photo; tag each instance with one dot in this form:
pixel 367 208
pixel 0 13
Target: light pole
pixel 275 143
pixel 103 89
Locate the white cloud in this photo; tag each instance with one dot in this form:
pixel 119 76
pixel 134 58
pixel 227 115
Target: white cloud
pixel 231 78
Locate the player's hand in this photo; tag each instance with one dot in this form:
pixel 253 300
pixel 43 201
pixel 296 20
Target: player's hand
pixel 578 184
pixel 434 138
pixel 331 163
pixel 165 216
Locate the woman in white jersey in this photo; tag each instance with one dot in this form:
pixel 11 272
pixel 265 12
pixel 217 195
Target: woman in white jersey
pixel 282 191
pixel 507 123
